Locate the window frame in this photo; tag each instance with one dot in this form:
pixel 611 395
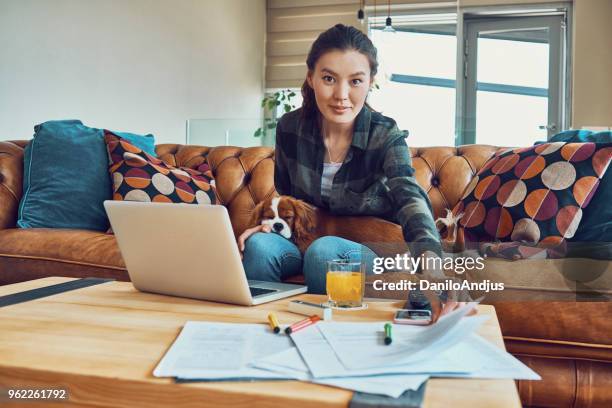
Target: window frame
pixel 470 16
pixel 556 116
pixel 409 20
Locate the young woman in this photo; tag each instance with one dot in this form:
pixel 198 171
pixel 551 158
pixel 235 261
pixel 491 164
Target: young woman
pixel 337 153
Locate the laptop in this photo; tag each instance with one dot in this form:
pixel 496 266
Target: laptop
pixel 187 250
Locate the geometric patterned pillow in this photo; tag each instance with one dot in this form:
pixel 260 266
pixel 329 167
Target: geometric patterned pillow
pixel 138 176
pixel 534 194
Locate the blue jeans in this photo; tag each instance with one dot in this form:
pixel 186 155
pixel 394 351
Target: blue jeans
pixel 270 257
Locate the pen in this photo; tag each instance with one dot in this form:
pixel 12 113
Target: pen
pixel 388 338
pixel 301 324
pixel 273 323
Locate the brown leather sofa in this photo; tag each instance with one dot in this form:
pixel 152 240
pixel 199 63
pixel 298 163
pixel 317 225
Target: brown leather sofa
pixel 568 343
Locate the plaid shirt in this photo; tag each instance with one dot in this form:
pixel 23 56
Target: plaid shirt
pixel 376 177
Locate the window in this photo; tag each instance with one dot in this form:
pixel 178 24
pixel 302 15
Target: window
pixel 506 90
pixel 417 85
pixel 492 79
pixel 513 80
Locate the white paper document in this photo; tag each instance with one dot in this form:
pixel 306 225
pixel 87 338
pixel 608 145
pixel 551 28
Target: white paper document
pixel 361 345
pixel 494 362
pixel 334 349
pixel 346 355
pixel 450 361
pixel 290 363
pixel 205 350
pixel 389 385
pixel 474 357
pixel 323 361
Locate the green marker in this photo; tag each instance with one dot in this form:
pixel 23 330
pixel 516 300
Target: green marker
pixel 388 338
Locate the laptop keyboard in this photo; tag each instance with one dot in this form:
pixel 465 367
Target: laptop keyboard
pixel 260 291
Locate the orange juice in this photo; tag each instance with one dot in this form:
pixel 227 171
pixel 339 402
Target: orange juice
pixel 345 289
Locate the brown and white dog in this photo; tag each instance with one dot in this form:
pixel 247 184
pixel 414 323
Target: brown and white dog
pixel 287 216
pixel 303 223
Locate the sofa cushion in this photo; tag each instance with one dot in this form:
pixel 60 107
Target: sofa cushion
pixel 138 176
pixel 65 176
pixel 535 194
pixel 39 252
pixel 64 181
pixel 596 225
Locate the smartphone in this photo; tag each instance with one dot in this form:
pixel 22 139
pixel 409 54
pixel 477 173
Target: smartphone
pixel 412 316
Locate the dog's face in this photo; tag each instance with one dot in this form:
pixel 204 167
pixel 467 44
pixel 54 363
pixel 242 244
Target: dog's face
pixel 286 216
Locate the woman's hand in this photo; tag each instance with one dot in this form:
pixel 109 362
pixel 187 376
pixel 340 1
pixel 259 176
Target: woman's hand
pixel 248 232
pixel 454 299
pixel 439 309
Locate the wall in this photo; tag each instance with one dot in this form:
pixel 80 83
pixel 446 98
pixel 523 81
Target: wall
pixel 131 65
pixel 592 86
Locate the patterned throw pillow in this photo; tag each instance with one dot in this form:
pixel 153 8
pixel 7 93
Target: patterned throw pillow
pixel 534 195
pixel 138 176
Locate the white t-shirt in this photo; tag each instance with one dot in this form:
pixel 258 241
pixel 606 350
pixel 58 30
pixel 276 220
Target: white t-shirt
pixel 329 171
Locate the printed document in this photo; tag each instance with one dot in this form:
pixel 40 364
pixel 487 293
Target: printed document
pixel 290 363
pixel 361 345
pixel 205 350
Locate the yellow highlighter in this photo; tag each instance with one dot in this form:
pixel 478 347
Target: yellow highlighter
pixel 274 323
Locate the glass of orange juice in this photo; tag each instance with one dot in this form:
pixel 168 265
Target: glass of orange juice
pixel 345 283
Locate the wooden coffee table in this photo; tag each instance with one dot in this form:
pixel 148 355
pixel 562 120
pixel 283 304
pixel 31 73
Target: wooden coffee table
pixel 103 342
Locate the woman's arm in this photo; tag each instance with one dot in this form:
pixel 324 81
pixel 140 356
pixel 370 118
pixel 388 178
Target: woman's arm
pixel 412 207
pixel 414 213
pixel 281 169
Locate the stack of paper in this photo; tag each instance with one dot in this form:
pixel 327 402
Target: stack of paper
pixel 206 350
pixel 346 355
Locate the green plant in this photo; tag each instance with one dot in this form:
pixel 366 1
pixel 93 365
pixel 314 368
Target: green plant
pixel 271 102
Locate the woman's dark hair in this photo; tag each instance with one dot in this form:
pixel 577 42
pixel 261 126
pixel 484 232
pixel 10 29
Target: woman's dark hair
pixel 342 38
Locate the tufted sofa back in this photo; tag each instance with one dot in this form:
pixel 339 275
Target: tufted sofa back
pixel 445 172
pixel 244 176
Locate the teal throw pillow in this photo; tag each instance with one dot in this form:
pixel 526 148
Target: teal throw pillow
pixel 66 176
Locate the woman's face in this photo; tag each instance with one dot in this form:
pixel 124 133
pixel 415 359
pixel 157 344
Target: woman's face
pixel 341 81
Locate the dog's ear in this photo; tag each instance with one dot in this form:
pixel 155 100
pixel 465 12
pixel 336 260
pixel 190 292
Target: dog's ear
pixel 257 214
pixel 304 221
